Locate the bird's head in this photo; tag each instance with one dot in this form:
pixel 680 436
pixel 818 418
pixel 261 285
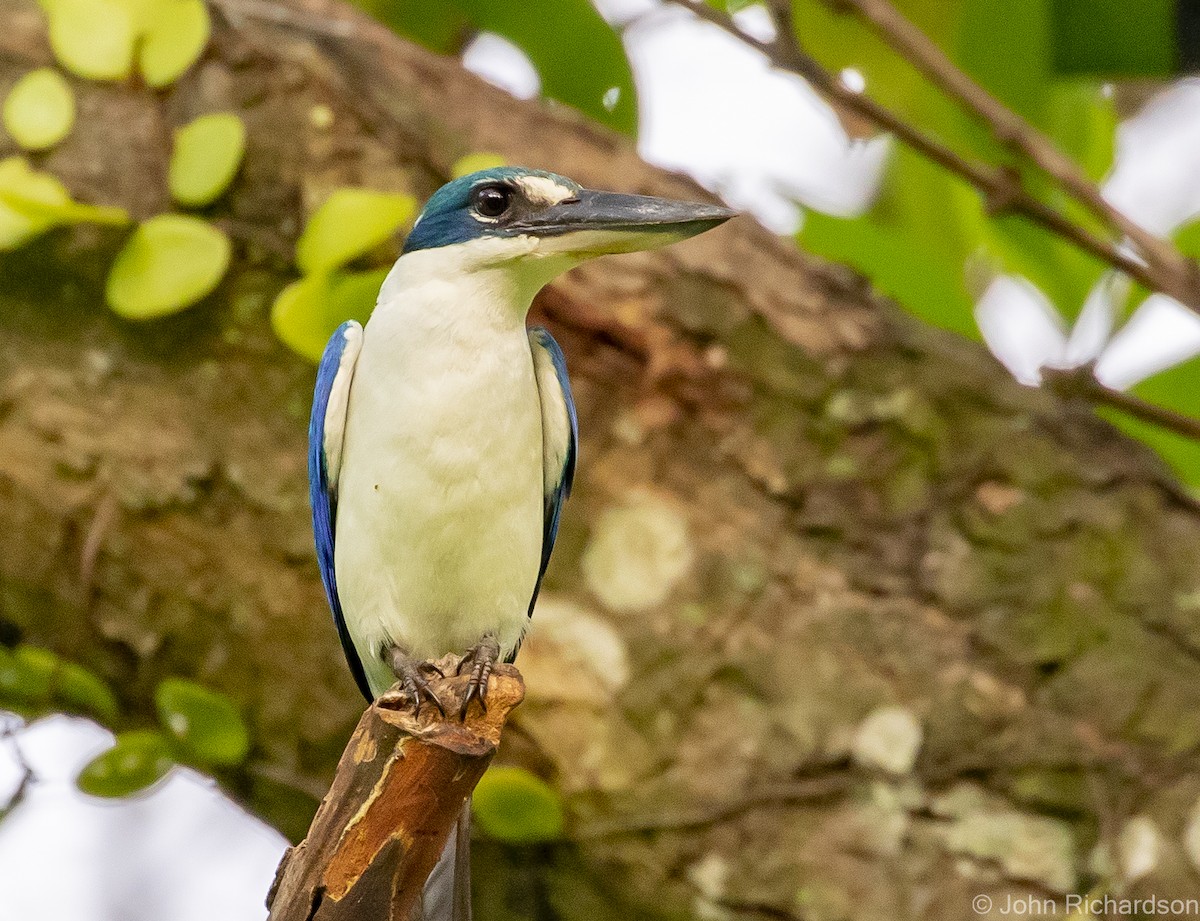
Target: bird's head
pixel 545 223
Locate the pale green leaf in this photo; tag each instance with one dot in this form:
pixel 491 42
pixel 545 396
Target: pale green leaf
pixel 32 202
pixel 93 39
pixel 40 110
pixel 298 316
pixel 207 154
pixel 1082 119
pixel 307 312
pixel 21 185
pixel 169 263
pixel 177 32
pixel 350 223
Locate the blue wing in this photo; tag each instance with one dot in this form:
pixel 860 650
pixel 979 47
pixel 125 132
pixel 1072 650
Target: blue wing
pixel 326 429
pixel 560 437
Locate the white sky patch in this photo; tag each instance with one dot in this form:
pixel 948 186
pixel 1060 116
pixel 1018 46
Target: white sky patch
pixel 621 12
pixel 756 22
pixel 714 108
pixel 852 78
pixel 182 853
pixel 1160 334
pixel 1156 179
pixel 502 64
pixel 1021 327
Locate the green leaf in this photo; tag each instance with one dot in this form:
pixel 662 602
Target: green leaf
pixel 925 283
pixel 474 162
pixel 169 263
pixel 299 319
pixel 207 154
pixel 205 723
pixel 307 312
pixel 177 32
pixel 511 804
pixel 21 185
pixel 1082 119
pixel 32 202
pixel 1187 239
pixel 93 39
pixel 80 690
pixel 1006 47
pixel 1115 38
pixel 26 675
pixel 442 27
pixel 30 675
pixel 578 56
pixel 841 41
pixel 137 760
pixel 40 110
pixel 911 251
pixel 350 223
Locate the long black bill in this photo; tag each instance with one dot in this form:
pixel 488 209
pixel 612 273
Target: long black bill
pixel 613 211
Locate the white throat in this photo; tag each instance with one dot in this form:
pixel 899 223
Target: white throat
pixel 490 280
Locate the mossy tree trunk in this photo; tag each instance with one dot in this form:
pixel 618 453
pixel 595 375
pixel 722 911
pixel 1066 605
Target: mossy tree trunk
pixel 843 623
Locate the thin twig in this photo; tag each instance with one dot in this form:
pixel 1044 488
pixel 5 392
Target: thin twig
pixel 1080 382
pixel 1001 189
pixel 1175 274
pixel 9 733
pixel 286 16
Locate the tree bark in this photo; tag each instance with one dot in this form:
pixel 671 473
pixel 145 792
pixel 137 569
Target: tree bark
pixel 843 623
pixel 398 791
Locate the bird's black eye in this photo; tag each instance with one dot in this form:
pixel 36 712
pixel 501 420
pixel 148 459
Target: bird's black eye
pixel 491 200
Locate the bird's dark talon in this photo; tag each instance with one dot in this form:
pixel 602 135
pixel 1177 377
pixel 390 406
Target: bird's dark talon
pixel 432 667
pixel 412 682
pixel 483 657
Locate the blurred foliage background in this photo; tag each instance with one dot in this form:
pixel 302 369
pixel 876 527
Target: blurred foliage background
pixel 950 256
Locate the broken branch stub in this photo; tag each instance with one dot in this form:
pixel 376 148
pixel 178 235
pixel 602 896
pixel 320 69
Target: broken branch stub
pixel 397 793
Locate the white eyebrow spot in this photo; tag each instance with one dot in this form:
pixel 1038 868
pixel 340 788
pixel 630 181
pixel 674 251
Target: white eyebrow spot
pixel 545 191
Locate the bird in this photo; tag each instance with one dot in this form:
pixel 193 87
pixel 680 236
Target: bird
pixel 443 439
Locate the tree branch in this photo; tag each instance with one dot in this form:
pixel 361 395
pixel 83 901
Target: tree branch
pixel 1001 188
pixel 1081 382
pixel 400 785
pixel 8 732
pixel 1175 274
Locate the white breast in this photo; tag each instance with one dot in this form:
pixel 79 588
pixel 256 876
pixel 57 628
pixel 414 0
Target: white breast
pixel 439 527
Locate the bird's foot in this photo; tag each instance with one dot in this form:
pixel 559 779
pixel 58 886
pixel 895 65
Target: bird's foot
pixel 414 686
pixel 482 657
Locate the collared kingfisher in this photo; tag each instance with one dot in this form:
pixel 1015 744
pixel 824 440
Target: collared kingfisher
pixel 443 436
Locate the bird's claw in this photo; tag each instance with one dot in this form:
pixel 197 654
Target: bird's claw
pixel 483 657
pixel 413 683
